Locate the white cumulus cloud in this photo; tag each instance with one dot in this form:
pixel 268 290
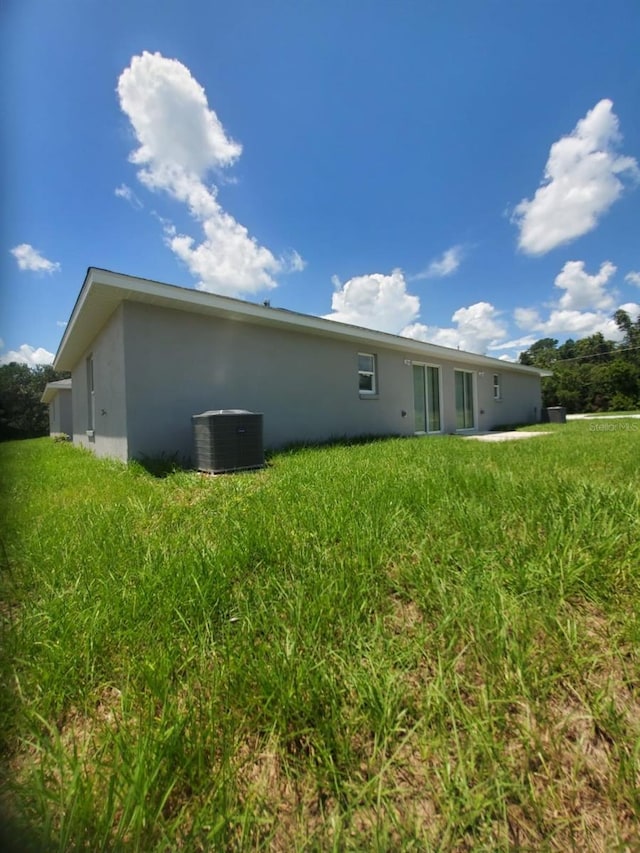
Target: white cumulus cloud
pixel 585 307
pixel 181 140
pixel 579 324
pixel 582 179
pixel 30 259
pixel 375 301
pixel 633 278
pixel 527 318
pixel 574 324
pixel 177 131
pixel 477 328
pixel 443 266
pixel 582 290
pixel 27 355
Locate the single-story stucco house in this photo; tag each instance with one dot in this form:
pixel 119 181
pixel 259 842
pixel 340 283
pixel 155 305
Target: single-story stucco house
pixel 146 356
pixel 57 395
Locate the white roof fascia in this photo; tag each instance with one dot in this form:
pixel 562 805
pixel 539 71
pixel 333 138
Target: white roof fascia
pixel 102 292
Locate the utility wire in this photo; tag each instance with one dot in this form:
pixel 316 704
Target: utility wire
pixel 593 355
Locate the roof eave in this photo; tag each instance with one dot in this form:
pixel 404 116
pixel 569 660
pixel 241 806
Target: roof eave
pixel 53 388
pixel 117 287
pixel 58 361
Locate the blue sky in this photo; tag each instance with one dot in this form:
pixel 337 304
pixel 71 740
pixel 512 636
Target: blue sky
pixel 463 172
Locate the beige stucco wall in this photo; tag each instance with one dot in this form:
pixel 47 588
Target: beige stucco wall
pixel 179 364
pixel 155 367
pixel 110 433
pixel 520 401
pixel 61 413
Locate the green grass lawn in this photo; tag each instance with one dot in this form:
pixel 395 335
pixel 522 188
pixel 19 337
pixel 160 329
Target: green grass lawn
pixel 428 644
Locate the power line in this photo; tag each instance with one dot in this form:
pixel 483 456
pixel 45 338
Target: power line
pixel 594 355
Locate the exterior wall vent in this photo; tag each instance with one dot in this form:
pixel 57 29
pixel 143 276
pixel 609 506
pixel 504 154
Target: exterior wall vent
pixel 228 440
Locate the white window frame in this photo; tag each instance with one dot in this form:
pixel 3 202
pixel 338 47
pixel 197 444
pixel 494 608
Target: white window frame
pixel 372 373
pixel 497 386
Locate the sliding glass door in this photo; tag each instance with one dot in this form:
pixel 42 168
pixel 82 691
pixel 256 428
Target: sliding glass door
pixel 465 418
pixel 426 396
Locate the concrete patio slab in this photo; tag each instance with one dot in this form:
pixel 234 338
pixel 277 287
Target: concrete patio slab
pixel 505 436
pixel 599 417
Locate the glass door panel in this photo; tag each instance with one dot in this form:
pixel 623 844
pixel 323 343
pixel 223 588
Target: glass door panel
pixel 464 400
pixel 426 398
pixel 419 398
pixel 433 398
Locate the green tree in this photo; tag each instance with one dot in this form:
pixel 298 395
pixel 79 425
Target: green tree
pixel 567 387
pixel 631 341
pixel 544 353
pixel 22 415
pixel 591 374
pixel 567 350
pixel 595 348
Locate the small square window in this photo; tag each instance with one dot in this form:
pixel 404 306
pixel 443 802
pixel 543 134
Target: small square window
pixel 367 373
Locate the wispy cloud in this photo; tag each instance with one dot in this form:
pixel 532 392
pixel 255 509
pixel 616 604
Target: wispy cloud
pixel 293 261
pixel 30 259
pixel 633 278
pixel 125 192
pixel 516 343
pixel 443 266
pixel 582 179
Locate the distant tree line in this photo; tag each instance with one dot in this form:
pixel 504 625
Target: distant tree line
pixel 22 415
pixel 591 374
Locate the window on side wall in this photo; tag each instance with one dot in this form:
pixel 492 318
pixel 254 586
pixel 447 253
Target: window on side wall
pixel 367 381
pixel 497 386
pixel 91 396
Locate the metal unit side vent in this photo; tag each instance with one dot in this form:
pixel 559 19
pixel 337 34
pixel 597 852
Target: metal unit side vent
pixel 228 440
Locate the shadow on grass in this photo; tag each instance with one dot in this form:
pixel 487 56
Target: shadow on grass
pixel 165 465
pixel 333 441
pixel 514 427
pixel 161 466
pixel 16 836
